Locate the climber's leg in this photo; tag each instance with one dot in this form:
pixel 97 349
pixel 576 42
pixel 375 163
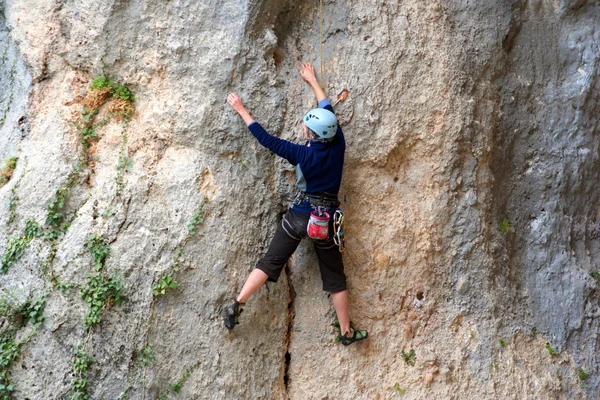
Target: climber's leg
pixel 287 238
pixel 334 281
pixel 254 282
pixel 340 303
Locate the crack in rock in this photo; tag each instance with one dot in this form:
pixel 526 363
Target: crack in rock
pixel 290 323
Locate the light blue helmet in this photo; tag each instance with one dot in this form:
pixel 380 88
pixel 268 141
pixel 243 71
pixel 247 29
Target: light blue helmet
pixel 322 122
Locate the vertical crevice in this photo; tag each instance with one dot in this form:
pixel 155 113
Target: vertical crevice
pixel 288 335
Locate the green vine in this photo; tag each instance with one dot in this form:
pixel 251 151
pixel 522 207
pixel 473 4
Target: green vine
pixel 99 249
pixel 124 163
pixel 9 351
pixel 176 387
pixel 55 218
pixel 6 172
pixel 145 356
pixel 17 244
pixel 13 199
pixel 81 364
pixel 13 317
pixel 86 130
pixel 196 221
pixel 167 281
pixel 100 293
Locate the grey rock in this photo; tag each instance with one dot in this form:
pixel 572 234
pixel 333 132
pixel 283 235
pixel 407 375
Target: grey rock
pixel 460 114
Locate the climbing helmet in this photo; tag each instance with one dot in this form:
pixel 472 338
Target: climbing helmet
pixel 322 122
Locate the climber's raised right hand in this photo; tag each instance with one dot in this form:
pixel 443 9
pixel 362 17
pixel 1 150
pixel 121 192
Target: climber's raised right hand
pixel 308 73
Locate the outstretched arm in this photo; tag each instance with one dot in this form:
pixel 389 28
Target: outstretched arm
pixel 234 101
pixel 308 73
pixel 294 153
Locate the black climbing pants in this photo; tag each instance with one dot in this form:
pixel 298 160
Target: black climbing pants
pixel 288 236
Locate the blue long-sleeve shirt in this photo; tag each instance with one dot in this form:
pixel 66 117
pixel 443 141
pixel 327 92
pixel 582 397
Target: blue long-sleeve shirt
pixel 318 166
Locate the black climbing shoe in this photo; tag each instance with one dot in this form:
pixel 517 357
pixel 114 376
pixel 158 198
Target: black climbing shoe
pixel 231 314
pixel 357 335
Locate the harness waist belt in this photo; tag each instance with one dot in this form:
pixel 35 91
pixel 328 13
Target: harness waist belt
pixel 322 199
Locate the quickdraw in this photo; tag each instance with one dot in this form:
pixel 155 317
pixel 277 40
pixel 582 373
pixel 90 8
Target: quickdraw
pixel 341 96
pixel 338 233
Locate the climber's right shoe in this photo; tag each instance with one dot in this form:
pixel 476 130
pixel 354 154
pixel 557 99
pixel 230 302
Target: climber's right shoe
pixel 357 334
pixel 231 314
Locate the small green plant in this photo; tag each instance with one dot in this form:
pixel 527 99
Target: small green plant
pixel 13 316
pixel 33 310
pixel 502 342
pixel 99 249
pixel 86 134
pixel 86 130
pixel 551 350
pixel 399 389
pixel 409 358
pixel 595 274
pixel 81 364
pixel 167 281
pixel 101 82
pixel 9 351
pixel 55 218
pixel 123 93
pixel 164 283
pixel 17 313
pixel 197 219
pixel 48 260
pixel 100 293
pixel 582 374
pixel 13 199
pixel 123 395
pixel 534 331
pixel 63 287
pixel 176 387
pixel 6 172
pixel 125 163
pixel 505 225
pixel 17 244
pixel 145 356
pixel 495 366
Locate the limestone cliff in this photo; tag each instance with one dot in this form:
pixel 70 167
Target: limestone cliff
pixel 470 192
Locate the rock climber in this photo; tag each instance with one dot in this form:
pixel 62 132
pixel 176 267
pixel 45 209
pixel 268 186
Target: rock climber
pixel 319 174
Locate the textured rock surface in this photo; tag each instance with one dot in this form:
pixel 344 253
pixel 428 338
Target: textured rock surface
pixel 461 114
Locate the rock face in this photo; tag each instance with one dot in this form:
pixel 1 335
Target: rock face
pixel 470 193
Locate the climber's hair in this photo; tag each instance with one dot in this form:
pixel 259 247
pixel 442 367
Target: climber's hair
pixel 317 137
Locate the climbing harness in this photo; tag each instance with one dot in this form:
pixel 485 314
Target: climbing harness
pixel 338 233
pixel 341 96
pixel 318 225
pixel 323 199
